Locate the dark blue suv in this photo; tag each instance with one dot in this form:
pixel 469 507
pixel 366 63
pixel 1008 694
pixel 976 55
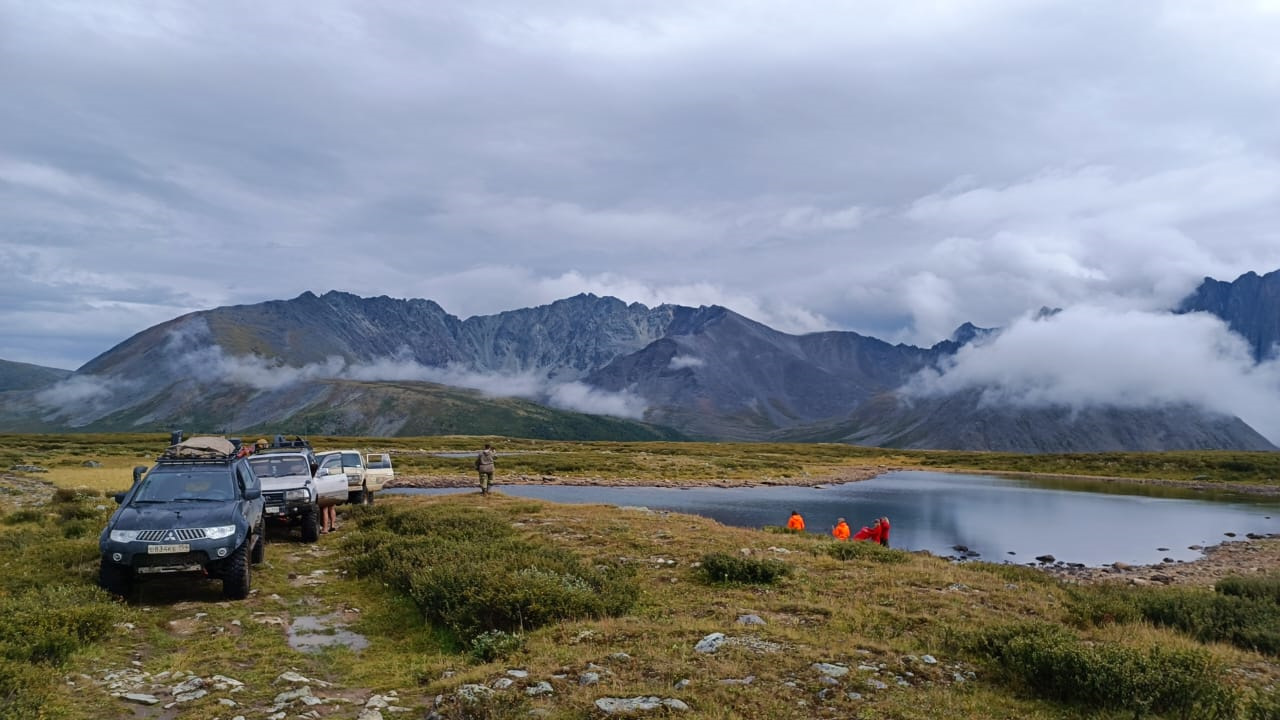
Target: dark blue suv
pixel 199 510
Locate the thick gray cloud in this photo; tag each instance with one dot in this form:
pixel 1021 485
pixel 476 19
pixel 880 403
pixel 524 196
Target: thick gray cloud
pixel 891 168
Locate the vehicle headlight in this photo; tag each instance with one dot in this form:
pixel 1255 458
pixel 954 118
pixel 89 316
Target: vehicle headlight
pixel 298 494
pixel 124 535
pixel 217 533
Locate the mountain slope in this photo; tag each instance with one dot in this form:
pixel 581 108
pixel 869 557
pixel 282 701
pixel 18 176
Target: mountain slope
pixel 348 407
pixel 25 376
pixel 1250 305
pixel 963 421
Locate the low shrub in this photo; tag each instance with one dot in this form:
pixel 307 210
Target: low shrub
pixel 1246 621
pixel 873 552
pixel 1262 587
pixel 467 570
pixel 495 645
pixel 25 515
pixel 1053 663
pixel 722 568
pixel 24 689
pixel 73 529
pixel 47 624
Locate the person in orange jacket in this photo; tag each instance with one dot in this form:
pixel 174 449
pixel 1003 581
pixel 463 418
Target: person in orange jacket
pixel 884 531
pixel 795 522
pixel 841 530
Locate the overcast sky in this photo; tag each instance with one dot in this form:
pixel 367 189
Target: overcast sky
pixel 893 168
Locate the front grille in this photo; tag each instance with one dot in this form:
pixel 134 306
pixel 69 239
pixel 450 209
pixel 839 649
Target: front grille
pixel 273 497
pixel 180 535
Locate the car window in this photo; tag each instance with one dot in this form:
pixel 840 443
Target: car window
pixel 248 478
pixel 333 462
pixel 267 466
pixel 378 462
pixel 194 483
pixel 351 459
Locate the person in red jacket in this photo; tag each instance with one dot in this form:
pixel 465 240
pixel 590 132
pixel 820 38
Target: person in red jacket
pixel 869 533
pixel 841 530
pixel 884 531
pixel 795 522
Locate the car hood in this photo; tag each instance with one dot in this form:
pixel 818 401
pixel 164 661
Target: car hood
pixel 284 482
pixel 176 515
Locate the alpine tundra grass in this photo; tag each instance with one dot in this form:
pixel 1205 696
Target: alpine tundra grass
pixel 604 602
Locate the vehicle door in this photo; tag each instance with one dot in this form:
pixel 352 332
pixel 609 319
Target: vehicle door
pixel 377 470
pixel 353 466
pixel 331 481
pixel 250 493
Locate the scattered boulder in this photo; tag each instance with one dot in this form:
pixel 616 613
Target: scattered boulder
pixel 831 669
pixel 1046 558
pixel 710 643
pixel 618 706
pixel 750 620
pixel 91 464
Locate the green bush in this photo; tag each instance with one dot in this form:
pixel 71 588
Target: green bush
pixel 26 515
pixel 1262 587
pixel 73 529
pixel 1051 662
pixel 46 625
pixel 495 645
pixel 722 568
pixel 1246 621
pixel 25 689
pixel 468 570
pixel 865 551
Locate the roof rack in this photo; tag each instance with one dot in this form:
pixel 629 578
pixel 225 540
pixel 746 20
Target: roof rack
pixel 206 448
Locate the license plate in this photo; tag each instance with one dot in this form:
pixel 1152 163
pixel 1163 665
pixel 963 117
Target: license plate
pixel 164 549
pixel 273 510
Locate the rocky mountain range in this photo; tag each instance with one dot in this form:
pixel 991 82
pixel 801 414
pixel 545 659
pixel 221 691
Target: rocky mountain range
pixel 589 367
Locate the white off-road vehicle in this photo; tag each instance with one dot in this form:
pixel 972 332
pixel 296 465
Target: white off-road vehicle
pixel 296 483
pixel 363 479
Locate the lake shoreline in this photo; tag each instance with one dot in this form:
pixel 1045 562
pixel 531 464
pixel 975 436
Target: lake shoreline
pixel 1231 557
pixel 847 474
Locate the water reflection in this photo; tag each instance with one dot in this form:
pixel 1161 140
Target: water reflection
pixel 1005 520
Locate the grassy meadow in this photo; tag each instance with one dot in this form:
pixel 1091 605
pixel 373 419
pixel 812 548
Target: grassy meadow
pixel 601 602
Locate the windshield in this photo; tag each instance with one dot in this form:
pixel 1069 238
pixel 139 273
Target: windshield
pixel 187 484
pixel 269 467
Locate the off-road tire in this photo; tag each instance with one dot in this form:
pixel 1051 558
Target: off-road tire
pixel 260 548
pixel 310 523
pixel 236 574
pixel 114 578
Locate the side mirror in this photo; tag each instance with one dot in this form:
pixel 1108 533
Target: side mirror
pixel 252 493
pixel 322 472
pixel 119 497
pixel 138 472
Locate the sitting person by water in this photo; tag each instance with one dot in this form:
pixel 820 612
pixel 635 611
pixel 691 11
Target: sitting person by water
pixel 841 530
pixel 869 533
pixel 795 522
pixel 884 531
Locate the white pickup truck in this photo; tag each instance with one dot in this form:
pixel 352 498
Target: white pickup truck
pixel 365 474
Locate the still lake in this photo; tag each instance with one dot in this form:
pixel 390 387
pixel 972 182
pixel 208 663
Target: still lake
pixel 1003 519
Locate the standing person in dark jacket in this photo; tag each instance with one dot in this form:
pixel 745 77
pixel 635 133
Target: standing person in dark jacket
pixel 484 466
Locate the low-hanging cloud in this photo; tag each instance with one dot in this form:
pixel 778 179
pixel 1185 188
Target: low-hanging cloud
pixel 212 363
pixel 1090 356
pixel 685 361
